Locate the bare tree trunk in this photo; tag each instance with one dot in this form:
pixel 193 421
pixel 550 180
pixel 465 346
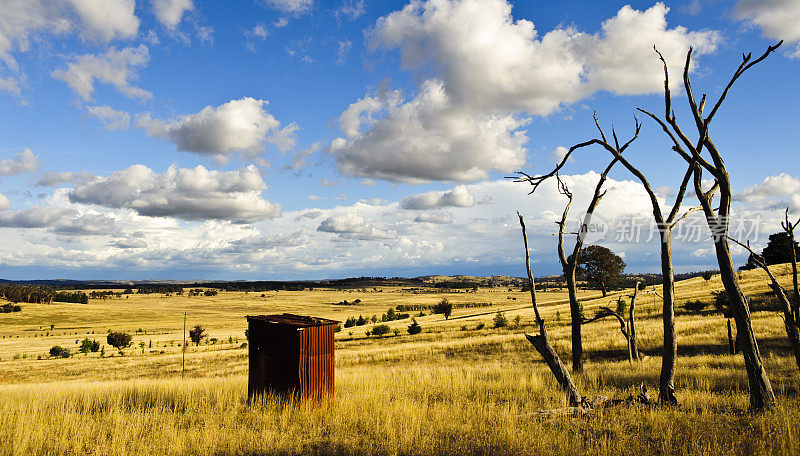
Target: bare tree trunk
pixel 791 325
pixel 792 331
pixel 731 343
pixel 541 342
pixel 717 216
pixel 669 351
pixel 576 317
pixel 542 345
pixel 761 394
pixel 632 324
pixel 603 288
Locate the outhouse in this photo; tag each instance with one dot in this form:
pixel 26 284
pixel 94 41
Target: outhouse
pixel 291 355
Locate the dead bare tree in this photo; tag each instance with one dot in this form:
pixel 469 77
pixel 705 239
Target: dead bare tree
pixel 665 225
pixel 541 342
pixel 607 312
pixel 569 263
pixel 789 321
pixel 761 394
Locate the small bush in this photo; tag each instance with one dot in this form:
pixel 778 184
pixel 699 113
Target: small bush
pixel 695 306
pixel 57 351
pixel 500 320
pixel 414 327
pixel 721 302
pixel 350 322
pixel 480 326
pixel 380 330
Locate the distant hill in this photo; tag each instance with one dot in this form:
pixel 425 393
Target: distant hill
pixel 431 281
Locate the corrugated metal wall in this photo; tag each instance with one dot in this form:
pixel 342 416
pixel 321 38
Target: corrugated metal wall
pixel 317 362
pixel 291 361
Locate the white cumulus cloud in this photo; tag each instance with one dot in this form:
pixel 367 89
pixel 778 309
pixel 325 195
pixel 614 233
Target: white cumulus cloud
pixel 190 194
pixel 22 162
pixel 780 185
pixel 440 218
pixel 777 19
pixel 483 74
pixel 352 225
pixel 111 118
pixel 107 20
pixel 116 67
pixel 241 125
pixel 291 6
pixel 170 12
pixel 458 196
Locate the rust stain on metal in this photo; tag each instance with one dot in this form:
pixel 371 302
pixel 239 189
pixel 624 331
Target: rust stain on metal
pixel 291 355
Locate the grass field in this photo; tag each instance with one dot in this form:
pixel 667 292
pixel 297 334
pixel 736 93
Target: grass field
pixel 453 389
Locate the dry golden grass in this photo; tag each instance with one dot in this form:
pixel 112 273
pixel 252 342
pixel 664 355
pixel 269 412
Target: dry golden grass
pixel 445 391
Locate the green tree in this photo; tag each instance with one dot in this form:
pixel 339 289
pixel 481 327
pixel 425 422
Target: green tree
pixel 778 249
pixel 197 333
pixel 119 340
pixel 600 266
pixel 89 346
pixel 414 327
pixel 443 307
pixel 380 330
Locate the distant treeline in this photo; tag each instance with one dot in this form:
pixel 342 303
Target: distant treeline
pixel 39 294
pixel 456 285
pixel 159 288
pixel 419 307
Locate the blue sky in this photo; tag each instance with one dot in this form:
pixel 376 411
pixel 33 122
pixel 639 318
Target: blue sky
pixel 287 139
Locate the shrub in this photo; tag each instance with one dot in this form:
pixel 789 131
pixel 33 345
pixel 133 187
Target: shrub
pixel 517 320
pixel 480 326
pixel 89 346
pixel 361 321
pixel 622 306
pixel 443 307
pixel 396 331
pixel 721 302
pixel 414 327
pixel 196 334
pixel 500 320
pixel 380 330
pixel 57 351
pixel 210 292
pixel 695 306
pixel 350 322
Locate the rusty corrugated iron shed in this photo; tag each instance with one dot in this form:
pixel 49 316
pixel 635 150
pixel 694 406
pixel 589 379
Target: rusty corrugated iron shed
pixel 291 355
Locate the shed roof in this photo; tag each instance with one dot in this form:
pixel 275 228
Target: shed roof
pixel 300 321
